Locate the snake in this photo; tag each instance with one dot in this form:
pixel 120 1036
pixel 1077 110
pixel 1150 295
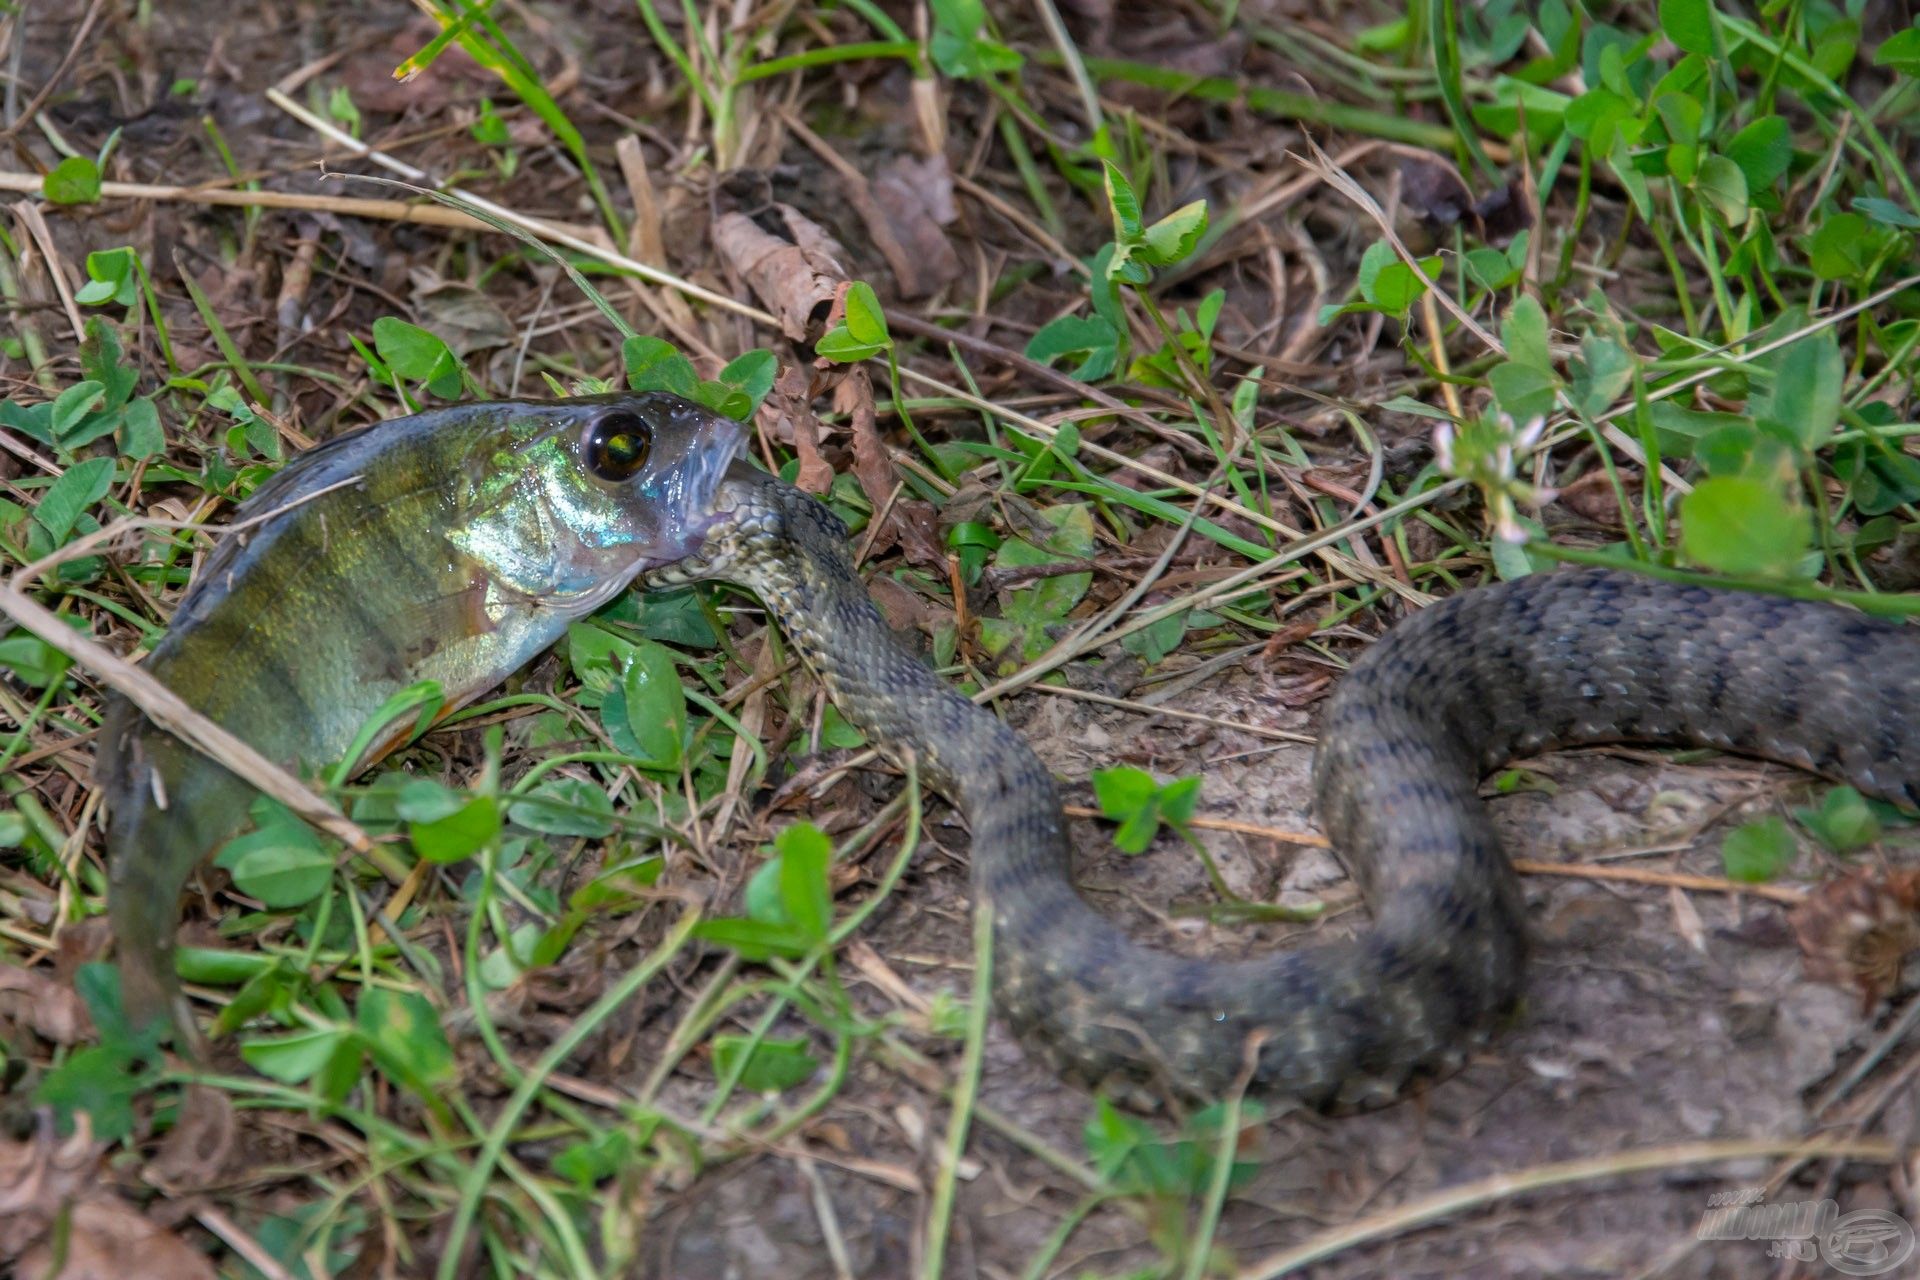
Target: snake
pixel 1552 659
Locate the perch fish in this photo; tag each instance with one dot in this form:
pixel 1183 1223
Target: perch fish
pixel 453 545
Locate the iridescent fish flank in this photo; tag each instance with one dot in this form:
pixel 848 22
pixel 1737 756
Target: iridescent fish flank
pixel 451 546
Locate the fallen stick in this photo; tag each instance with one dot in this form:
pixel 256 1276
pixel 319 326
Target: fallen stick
pixel 423 212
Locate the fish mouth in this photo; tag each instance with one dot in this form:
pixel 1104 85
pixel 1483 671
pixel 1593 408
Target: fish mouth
pixel 713 539
pixel 715 463
pixel 693 498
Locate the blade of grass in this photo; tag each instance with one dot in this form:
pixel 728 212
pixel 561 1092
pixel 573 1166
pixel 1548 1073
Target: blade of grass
pixel 489 46
pixel 1268 101
pixel 473 1183
pixel 862 52
pixel 221 338
pixel 1443 34
pixel 966 1092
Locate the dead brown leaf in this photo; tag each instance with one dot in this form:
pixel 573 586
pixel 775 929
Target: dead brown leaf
pixel 788 413
pixel 913 198
pixel 60 1217
pixel 796 275
pixel 903 220
pixel 1857 930
pixel 81 942
pixel 107 1239
pixel 1433 191
pixel 971 501
pixel 644 238
pixel 37 1177
pixel 1592 497
pixel 52 1010
pixel 465 317
pixel 853 396
pixel 1025 521
pixel 195 1151
pixel 921 536
pixel 798 790
pixel 575 982
pixel 903 608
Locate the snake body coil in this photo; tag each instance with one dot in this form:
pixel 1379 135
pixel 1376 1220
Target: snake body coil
pixel 1555 659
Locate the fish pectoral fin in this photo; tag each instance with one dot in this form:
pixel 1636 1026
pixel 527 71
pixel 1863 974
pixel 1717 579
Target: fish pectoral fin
pixel 428 626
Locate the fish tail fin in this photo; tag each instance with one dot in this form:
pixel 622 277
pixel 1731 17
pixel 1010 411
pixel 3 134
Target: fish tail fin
pixel 168 807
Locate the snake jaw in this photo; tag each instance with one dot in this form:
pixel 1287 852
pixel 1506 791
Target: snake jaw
pixel 742 529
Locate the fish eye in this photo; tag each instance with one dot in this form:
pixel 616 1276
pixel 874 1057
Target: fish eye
pixel 617 445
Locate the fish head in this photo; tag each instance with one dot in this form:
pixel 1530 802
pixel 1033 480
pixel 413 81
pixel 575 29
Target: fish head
pixel 583 494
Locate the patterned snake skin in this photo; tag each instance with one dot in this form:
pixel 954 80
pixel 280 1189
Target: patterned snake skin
pixel 1555 659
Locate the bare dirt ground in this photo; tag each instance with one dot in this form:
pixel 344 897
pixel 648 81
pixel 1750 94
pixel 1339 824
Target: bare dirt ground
pixel 1657 1018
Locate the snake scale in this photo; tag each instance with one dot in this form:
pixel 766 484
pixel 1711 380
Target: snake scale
pixel 1551 660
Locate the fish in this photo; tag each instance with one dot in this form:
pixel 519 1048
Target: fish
pixel 453 545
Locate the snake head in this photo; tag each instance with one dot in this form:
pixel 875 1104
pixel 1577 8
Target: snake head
pixel 744 531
